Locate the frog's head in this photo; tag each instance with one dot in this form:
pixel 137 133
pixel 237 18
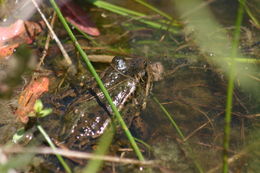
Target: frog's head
pixel 129 66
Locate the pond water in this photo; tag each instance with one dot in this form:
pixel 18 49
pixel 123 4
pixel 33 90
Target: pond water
pixel 193 88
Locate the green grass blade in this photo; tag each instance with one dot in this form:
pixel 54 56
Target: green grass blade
pixel 241 60
pixel 99 82
pixel 170 118
pixel 103 145
pixel 230 88
pixel 47 138
pixel 144 143
pixel 157 11
pixel 190 151
pixel 164 25
pixel 250 14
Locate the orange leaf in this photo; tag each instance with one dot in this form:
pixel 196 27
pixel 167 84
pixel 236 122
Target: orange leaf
pixel 18 33
pixel 29 95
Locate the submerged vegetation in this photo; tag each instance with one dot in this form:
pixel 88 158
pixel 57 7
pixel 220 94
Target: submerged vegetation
pixel 178 92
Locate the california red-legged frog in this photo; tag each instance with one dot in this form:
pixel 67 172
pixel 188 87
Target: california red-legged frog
pixel 85 111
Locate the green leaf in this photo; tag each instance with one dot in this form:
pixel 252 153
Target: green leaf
pixel 45 112
pixel 18 135
pixel 38 106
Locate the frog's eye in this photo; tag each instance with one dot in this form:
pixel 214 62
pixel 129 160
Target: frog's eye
pixel 117 59
pixel 119 63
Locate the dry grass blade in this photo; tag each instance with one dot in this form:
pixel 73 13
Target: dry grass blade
pixel 238 156
pixel 63 51
pixel 101 58
pixel 47 44
pixel 76 154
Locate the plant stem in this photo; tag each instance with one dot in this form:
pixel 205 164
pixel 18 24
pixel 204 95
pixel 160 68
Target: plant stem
pixel 162 24
pixel 250 14
pixel 94 165
pixel 190 150
pixel 47 138
pixel 231 87
pixel 170 118
pixel 155 9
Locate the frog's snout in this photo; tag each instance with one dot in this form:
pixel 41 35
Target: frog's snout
pixel 157 70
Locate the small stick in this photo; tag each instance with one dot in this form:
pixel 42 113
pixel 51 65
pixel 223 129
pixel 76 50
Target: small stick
pixel 54 36
pixel 75 154
pixel 46 47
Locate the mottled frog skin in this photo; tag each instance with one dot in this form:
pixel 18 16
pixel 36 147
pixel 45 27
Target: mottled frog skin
pixel 86 113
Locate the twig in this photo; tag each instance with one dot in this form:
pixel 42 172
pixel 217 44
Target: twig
pixel 76 154
pixel 230 160
pixel 46 47
pixel 253 77
pixel 101 58
pixel 247 151
pixel 54 36
pixel 252 116
pixel 201 127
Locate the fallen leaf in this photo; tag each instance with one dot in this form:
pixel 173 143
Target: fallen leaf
pixel 11 31
pixel 29 95
pixel 7 50
pixel 18 33
pixel 78 17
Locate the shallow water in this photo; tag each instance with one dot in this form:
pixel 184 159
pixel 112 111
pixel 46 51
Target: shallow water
pixel 193 90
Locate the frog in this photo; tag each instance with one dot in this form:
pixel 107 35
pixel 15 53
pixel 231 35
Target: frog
pixel 85 113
